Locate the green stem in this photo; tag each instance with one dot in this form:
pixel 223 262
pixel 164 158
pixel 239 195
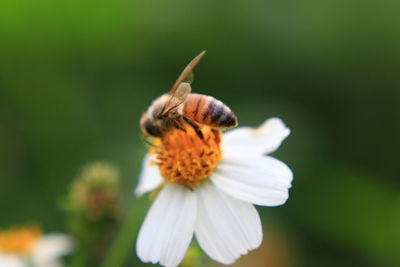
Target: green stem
pixel 123 243
pixel 194 257
pixel 80 257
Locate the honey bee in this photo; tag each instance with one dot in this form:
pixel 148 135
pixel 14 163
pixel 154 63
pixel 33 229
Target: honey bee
pixel 180 106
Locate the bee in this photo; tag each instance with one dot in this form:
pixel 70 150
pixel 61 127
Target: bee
pixel 180 106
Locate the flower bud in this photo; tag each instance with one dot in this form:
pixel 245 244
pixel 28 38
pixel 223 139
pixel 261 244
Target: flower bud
pixel 95 192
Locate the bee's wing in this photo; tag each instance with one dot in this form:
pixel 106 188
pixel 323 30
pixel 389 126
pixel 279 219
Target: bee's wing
pixel 187 73
pixel 181 88
pixel 177 98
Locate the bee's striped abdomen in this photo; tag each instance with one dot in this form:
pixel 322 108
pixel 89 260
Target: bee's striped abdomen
pixel 209 111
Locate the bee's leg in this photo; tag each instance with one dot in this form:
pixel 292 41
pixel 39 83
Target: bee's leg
pixel 178 126
pixel 196 128
pixel 217 135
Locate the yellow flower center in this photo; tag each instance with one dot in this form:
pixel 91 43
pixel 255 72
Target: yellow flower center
pixel 19 240
pixel 185 158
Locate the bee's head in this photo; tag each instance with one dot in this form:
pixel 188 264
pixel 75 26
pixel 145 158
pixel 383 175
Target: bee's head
pixel 149 126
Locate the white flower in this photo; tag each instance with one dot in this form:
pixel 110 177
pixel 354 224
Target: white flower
pixel 27 247
pixel 218 210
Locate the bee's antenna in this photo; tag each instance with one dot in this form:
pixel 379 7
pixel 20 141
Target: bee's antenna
pixel 145 139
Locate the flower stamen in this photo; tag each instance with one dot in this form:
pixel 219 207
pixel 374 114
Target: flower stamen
pixel 185 158
pixel 19 240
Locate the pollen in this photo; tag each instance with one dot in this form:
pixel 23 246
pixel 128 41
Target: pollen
pixel 19 240
pixel 185 158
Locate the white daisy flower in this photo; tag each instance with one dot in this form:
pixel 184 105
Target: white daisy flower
pixel 208 188
pixel 28 247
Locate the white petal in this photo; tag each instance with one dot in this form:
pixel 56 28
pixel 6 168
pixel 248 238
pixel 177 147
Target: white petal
pixel 226 227
pixel 262 140
pixel 150 177
pixel 50 248
pixel 168 227
pixel 11 260
pixel 261 180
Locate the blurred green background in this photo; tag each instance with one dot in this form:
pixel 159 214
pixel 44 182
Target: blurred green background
pixel 75 77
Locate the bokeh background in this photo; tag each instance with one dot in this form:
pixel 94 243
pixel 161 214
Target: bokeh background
pixel 75 77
